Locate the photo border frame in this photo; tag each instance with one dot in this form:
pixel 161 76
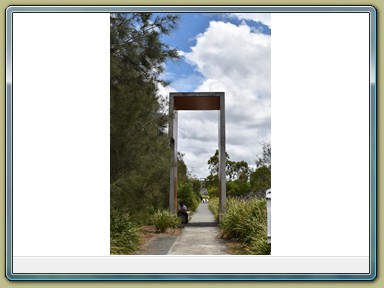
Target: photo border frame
pixel 179 9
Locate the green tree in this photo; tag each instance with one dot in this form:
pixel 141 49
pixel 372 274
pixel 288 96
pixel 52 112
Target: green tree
pixel 182 169
pixel 213 162
pixel 212 181
pixel 261 181
pixel 139 148
pixel 265 159
pixel 196 186
pixel 213 166
pixel 186 194
pixel 239 170
pixel 137 112
pixel 237 174
pixel 213 191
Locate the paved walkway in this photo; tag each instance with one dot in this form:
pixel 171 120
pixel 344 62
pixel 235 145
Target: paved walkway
pixel 200 236
pixel 158 245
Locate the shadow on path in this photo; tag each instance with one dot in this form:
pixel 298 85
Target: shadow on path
pixel 201 224
pixel 199 237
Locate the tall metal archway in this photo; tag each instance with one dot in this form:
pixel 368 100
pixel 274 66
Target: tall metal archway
pixel 196 101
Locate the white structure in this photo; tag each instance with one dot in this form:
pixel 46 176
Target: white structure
pixel 268 196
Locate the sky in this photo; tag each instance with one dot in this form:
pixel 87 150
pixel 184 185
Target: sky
pixel 222 52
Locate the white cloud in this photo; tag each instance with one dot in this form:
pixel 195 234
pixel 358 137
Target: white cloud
pixel 163 92
pixel 264 18
pixel 237 61
pixel 198 138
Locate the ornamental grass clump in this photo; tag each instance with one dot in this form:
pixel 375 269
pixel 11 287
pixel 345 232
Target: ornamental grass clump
pixel 163 219
pixel 258 246
pixel 245 221
pixel 213 205
pixel 125 235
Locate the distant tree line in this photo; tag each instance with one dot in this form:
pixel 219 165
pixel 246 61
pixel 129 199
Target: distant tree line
pixel 242 180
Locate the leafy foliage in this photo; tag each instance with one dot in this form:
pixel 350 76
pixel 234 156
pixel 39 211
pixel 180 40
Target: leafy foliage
pixel 238 170
pixel 246 222
pixel 261 181
pixel 213 191
pixel 237 174
pixel 213 163
pixel 186 194
pixel 163 219
pixel 182 170
pixel 124 233
pixel 238 187
pixel 261 178
pixel 139 150
pixel 196 186
pixel 188 190
pixel 213 205
pixel 265 159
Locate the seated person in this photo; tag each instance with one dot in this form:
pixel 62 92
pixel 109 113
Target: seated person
pixel 183 211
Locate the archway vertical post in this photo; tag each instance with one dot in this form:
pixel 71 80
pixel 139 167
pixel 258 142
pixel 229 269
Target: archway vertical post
pixel 222 160
pixel 173 144
pixel 196 101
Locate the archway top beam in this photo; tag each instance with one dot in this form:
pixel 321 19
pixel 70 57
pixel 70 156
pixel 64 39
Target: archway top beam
pixel 197 100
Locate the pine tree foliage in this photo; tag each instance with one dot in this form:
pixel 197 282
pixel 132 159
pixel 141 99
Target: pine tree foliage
pixel 139 150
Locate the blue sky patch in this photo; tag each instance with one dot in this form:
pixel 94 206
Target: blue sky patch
pixel 182 75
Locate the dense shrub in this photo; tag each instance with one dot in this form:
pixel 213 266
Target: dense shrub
pixel 139 196
pixel 213 191
pixel 213 205
pixel 124 234
pixel 238 188
pixel 258 245
pixel 163 219
pixel 185 193
pixel 246 222
pixel 260 181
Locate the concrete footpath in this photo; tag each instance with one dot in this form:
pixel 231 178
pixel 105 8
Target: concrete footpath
pixel 199 237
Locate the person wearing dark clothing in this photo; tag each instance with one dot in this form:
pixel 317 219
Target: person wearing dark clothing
pixel 183 212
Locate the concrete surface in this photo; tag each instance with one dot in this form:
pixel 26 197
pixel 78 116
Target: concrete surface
pixel 158 245
pixel 199 239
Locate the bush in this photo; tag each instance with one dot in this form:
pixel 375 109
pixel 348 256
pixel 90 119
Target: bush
pixel 124 234
pixel 246 222
pixel 186 194
pixel 163 219
pixel 213 205
pixel 238 188
pixel 258 246
pixel 261 181
pixel 213 192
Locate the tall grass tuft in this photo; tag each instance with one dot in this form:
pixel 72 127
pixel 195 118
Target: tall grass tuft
pixel 124 234
pixel 163 219
pixel 245 221
pixel 213 205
